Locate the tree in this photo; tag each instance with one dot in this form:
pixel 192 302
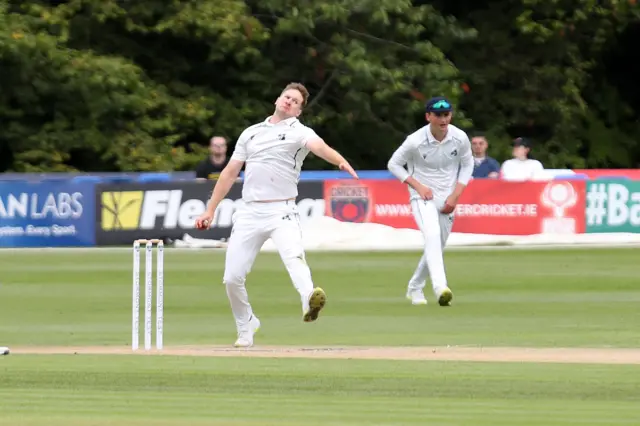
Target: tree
pixel 530 69
pixel 114 85
pixel 63 108
pixel 106 84
pixel 371 66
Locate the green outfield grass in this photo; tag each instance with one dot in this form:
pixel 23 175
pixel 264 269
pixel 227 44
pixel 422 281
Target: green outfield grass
pixel 180 391
pixel 515 298
pixel 533 298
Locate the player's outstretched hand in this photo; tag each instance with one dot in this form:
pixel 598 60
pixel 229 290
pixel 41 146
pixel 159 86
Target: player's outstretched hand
pixel 347 168
pixel 204 220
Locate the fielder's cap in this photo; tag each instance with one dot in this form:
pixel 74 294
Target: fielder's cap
pixel 522 142
pixel 439 104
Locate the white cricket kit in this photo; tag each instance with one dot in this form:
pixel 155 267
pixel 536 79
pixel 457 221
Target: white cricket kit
pixel 520 170
pixel 440 166
pixel 273 156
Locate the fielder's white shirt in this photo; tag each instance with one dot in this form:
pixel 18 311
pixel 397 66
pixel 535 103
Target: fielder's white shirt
pixel 273 156
pixel 520 170
pixel 438 165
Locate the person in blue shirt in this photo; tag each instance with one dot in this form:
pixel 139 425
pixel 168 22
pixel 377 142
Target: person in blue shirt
pixel 483 165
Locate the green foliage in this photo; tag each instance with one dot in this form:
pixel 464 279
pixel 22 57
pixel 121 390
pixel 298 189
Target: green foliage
pixel 60 102
pixel 370 66
pixel 113 85
pixel 529 71
pixel 136 84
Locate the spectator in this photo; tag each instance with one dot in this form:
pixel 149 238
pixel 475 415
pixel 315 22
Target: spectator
pixel 217 160
pixel 521 167
pixel 483 165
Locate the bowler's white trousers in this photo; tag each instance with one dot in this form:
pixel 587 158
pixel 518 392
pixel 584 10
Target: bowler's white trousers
pixel 435 228
pixel 253 224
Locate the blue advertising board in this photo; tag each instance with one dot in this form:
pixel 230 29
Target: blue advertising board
pixel 47 214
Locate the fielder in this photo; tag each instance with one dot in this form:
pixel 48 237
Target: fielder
pixel 439 167
pixel 272 152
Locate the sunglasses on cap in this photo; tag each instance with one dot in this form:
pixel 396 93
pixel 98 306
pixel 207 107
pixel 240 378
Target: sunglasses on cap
pixel 439 106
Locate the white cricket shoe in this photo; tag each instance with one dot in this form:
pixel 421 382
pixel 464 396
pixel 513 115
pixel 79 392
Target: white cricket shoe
pixel 4 350
pixel 416 297
pixel 245 336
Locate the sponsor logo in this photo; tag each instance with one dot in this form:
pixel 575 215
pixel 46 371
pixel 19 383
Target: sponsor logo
pixel 130 210
pixel 168 209
pixel 47 214
pixel 121 210
pixel 559 196
pixel 350 203
pixel 613 205
pixel 61 205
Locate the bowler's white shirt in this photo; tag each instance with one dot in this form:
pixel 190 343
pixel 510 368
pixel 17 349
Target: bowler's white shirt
pixel 438 165
pixel 273 156
pixel 520 170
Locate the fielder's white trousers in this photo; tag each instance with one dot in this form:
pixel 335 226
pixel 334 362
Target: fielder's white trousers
pixel 435 228
pixel 253 224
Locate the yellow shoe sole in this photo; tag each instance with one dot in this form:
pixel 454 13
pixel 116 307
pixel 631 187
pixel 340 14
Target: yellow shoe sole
pixel 445 298
pixel 317 301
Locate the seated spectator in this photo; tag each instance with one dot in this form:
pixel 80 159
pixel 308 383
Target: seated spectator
pixel 484 166
pixel 217 160
pixel 521 167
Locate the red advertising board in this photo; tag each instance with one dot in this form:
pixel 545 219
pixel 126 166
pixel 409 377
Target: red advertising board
pixel 374 201
pixel 486 207
pixel 521 208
